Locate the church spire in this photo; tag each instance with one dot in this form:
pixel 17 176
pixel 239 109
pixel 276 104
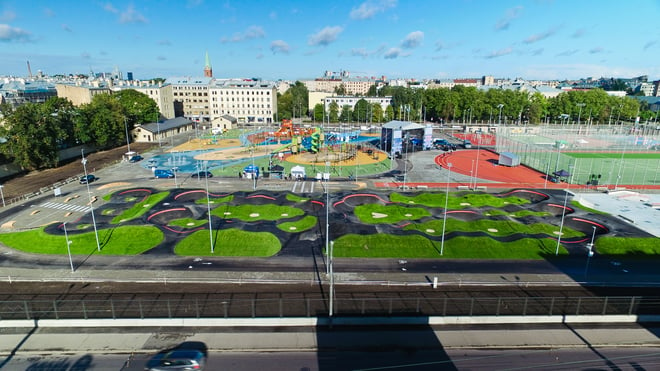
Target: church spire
pixel 208 70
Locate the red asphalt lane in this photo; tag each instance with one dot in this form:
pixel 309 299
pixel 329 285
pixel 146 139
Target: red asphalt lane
pixel 482 164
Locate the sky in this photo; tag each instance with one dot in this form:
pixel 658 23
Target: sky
pixel 286 39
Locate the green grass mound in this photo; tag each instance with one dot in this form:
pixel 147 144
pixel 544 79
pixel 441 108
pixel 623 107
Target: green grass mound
pixel 492 227
pixel 214 200
pixel 415 246
pixel 298 226
pixel 629 246
pixel 229 242
pixel 140 208
pixel 457 202
pixel 125 240
pixel 388 214
pixel 187 222
pixel 250 213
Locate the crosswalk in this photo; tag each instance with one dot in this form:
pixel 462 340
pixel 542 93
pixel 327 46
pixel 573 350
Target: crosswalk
pixel 66 207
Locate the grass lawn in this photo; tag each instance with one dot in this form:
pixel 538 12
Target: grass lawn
pixel 491 227
pixel 516 214
pixel 388 214
pixel 295 198
pixel 187 222
pixel 415 246
pixel 630 246
pixel 124 240
pixel 229 242
pixel 457 202
pixel 308 222
pixel 250 213
pixel 140 208
pixel 614 155
pixel 214 200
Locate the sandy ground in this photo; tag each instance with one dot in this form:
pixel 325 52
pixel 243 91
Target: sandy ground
pixel 230 149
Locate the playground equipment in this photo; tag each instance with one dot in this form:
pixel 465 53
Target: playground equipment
pixel 289 130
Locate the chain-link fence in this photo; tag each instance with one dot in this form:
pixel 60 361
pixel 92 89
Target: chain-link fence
pixel 318 307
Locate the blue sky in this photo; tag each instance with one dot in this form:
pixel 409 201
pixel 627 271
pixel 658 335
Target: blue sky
pixel 285 39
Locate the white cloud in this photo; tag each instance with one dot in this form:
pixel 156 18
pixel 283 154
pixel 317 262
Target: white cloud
pixel 272 15
pixel 537 52
pixel 165 42
pixel 48 12
pixel 360 52
pixel 578 33
pixel 649 44
pixel 9 34
pixel 500 53
pixel 279 46
pixel 7 16
pixel 510 15
pixel 194 3
pixel 369 9
pixel 130 15
pixel 325 36
pixel 540 36
pixel 413 40
pixel 252 32
pixel 108 7
pixel 567 53
pixel 66 27
pixel 85 55
pixel 393 53
pixel 596 50
pixel 161 58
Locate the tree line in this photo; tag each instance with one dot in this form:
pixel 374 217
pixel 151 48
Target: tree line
pixel 469 104
pixel 35 132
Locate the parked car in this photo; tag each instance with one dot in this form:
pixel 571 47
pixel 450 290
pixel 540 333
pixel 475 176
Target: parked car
pixel 180 359
pixel 202 174
pixel 163 173
pixel 135 158
pixel 85 179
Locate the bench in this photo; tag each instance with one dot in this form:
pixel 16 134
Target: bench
pixel 463 188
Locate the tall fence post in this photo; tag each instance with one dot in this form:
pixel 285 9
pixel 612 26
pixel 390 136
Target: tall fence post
pixel 471 306
pixel 552 304
pixel 524 311
pixel 196 307
pixel 632 305
pixel 55 309
pixel 27 309
pixel 605 305
pixel 84 308
pixel 169 309
pixel 112 309
pixel 579 303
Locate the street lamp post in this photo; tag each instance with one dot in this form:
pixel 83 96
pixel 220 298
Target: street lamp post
pixel 327 214
pixel 91 205
pixel 444 223
pixel 68 247
pixel 2 195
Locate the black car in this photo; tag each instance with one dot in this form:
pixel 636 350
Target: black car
pixel 202 174
pixel 87 179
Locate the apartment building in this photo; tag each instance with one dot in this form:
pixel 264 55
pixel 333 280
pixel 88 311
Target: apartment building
pixel 80 92
pixel 190 97
pixel 247 100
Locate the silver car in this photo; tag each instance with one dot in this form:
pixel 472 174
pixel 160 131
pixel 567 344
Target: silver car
pixel 180 359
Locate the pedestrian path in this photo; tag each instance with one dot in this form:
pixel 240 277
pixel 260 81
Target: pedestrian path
pixel 66 207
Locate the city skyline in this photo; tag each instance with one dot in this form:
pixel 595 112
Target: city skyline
pixel 536 40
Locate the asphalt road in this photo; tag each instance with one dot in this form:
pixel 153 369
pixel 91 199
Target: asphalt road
pixel 580 358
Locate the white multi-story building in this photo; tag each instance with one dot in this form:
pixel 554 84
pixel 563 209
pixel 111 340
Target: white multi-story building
pixel 247 100
pixel 352 100
pixel 160 93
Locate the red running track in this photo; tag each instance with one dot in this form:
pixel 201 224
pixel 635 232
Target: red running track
pixel 482 164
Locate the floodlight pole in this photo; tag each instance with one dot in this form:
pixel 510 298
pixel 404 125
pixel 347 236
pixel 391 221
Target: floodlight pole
pixel 68 247
pixel 499 121
pixel 444 223
pixel 327 215
pixel 128 142
pixel 2 195
pixel 89 194
pixel 208 206
pixel 561 226
pixel 580 112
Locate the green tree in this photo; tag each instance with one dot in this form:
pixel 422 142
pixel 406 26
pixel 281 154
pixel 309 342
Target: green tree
pixel 340 90
pixel 318 112
pixel 334 112
pixel 360 111
pixel 35 132
pixel 389 113
pixel 101 122
pixel 376 112
pixel 345 113
pixel 137 107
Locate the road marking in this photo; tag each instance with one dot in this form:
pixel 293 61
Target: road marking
pixel 60 206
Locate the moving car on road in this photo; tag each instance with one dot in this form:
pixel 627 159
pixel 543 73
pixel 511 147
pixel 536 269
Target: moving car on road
pixel 87 178
pixel 202 174
pixel 180 359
